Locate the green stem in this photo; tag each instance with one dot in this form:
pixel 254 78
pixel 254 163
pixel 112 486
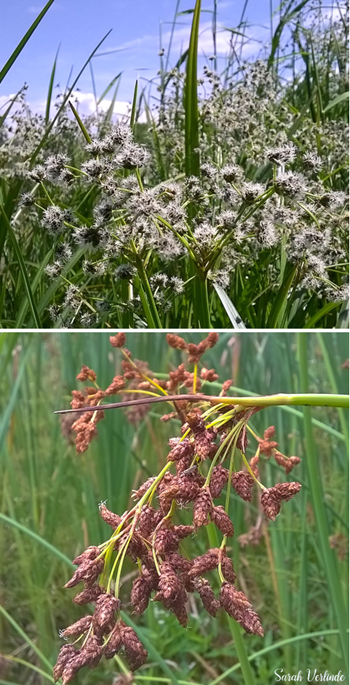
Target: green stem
pixel 236 633
pixel 145 284
pixel 201 303
pixel 304 399
pixel 333 383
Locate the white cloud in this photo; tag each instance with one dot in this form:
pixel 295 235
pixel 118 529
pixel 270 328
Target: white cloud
pixel 87 105
pixel 5 100
pixel 181 37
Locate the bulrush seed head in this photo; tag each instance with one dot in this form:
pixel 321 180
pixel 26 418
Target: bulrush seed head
pixel 152 533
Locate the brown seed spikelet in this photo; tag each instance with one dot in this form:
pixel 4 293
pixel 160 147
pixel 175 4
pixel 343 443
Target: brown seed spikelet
pixel 137 494
pixel 89 655
pixel 236 605
pixel 271 503
pixel 228 570
pixel 89 553
pixel 179 563
pixel 183 489
pixel 108 516
pixel 269 432
pixel 218 480
pixel 135 653
pixel 180 449
pixel 118 340
pixel 148 520
pixel 202 507
pixel 287 490
pixel 243 483
pixel 114 643
pixel 205 448
pixel 183 531
pixel 209 375
pixel 89 595
pixel 78 401
pixel 77 628
pixel 206 562
pixel 118 383
pixel 66 654
pixel 212 338
pixel 103 618
pixel 166 541
pixel 142 589
pixel 183 464
pixel 172 593
pixel 271 498
pixel 136 548
pixel 195 422
pixel 226 386
pixel 169 586
pixel 176 342
pixel 254 465
pixel 267 446
pixel 210 603
pixel 86 374
pixel 222 521
pixel 88 571
pixel 286 463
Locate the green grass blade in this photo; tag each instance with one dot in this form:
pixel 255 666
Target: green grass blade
pixel 134 105
pixel 321 313
pixel 332 382
pixel 51 84
pixel 57 283
pixel 80 124
pixel 191 99
pixel 27 664
pixel 37 538
pixel 276 39
pixel 271 648
pixel 6 68
pixel 8 110
pixel 23 270
pixel 110 85
pixel 244 664
pixel 11 400
pixel 317 498
pixel 281 298
pixel 336 101
pixel 25 637
pixel 35 283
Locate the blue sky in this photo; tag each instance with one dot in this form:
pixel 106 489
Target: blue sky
pixel 78 25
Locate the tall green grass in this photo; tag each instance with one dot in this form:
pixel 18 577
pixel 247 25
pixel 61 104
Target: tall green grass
pixel 49 512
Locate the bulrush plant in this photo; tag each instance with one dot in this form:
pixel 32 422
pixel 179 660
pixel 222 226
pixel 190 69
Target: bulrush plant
pixel 207 457
pixel 231 197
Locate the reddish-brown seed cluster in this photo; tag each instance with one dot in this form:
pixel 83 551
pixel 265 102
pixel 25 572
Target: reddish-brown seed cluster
pixel 198 467
pixel 195 352
pixel 272 498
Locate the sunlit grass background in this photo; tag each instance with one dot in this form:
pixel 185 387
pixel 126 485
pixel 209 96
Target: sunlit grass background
pixel 49 497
